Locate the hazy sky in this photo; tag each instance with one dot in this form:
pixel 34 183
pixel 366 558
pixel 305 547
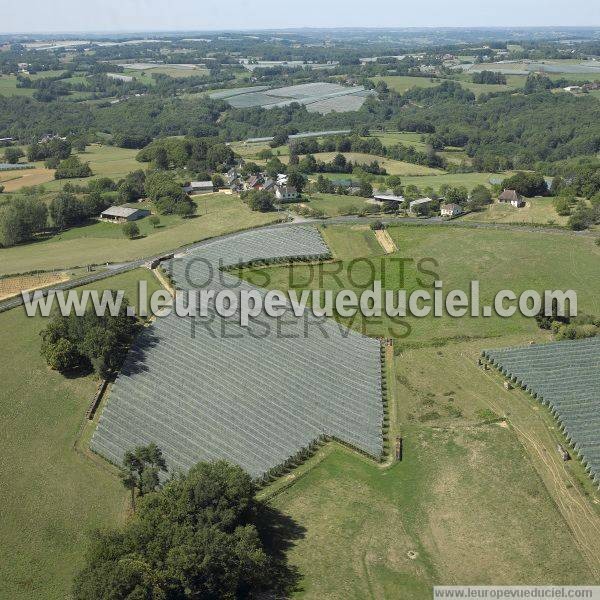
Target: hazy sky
pixel 143 15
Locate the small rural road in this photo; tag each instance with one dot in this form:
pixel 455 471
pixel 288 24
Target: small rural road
pixel 115 269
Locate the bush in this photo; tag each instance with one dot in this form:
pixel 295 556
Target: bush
pixel 12 155
pixel 260 200
pixel 131 230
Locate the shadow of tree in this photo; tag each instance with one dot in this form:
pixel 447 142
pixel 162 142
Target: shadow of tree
pixel 279 533
pixel 136 358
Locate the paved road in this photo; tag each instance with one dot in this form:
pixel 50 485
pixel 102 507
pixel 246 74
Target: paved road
pixel 389 220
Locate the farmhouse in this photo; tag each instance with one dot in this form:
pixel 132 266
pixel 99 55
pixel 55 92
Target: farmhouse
pixel 511 197
pixel 450 210
pixel 285 193
pixel 122 214
pixel 199 187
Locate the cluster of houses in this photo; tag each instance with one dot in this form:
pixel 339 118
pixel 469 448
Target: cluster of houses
pixel 450 209
pixel 260 181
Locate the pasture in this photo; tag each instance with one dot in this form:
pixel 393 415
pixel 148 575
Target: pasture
pixel 334 205
pixel 469 180
pixel 105 161
pixel 103 242
pixel 8 87
pixel 393 167
pixel 441 516
pixel 515 260
pixel 60 495
pixel 537 211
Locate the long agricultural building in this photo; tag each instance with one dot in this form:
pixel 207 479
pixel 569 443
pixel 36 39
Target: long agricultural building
pixel 208 388
pixel 565 376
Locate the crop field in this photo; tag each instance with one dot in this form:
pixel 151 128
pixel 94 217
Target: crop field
pixel 519 261
pixel 324 96
pixel 57 495
pixel 99 243
pixel 537 210
pixel 563 376
pixel 298 383
pixel 16 179
pixel 441 515
pixel 10 286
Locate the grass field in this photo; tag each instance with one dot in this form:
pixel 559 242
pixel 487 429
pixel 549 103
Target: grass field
pixel 446 503
pixel 515 260
pixel 334 205
pixel 402 83
pixel 537 210
pixel 8 87
pixel 52 495
pixel 393 167
pixel 105 161
pixel 103 242
pixel 469 180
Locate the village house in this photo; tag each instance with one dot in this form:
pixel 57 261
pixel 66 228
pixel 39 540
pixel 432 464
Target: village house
pixel 286 193
pixel 198 187
pixel 254 182
pixel 122 214
pixel 269 185
pixel 511 197
pixel 450 210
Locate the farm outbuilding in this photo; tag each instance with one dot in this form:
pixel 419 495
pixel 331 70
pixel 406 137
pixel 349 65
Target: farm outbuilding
pixel 199 187
pixel 122 214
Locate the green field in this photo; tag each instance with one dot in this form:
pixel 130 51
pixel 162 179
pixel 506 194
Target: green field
pixel 402 83
pixel 334 205
pixel 105 161
pixel 98 243
pixel 8 87
pixel 393 167
pixel 442 515
pixel 537 210
pixel 499 259
pixel 469 180
pixel 54 494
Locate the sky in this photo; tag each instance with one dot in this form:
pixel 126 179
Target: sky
pixel 49 16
